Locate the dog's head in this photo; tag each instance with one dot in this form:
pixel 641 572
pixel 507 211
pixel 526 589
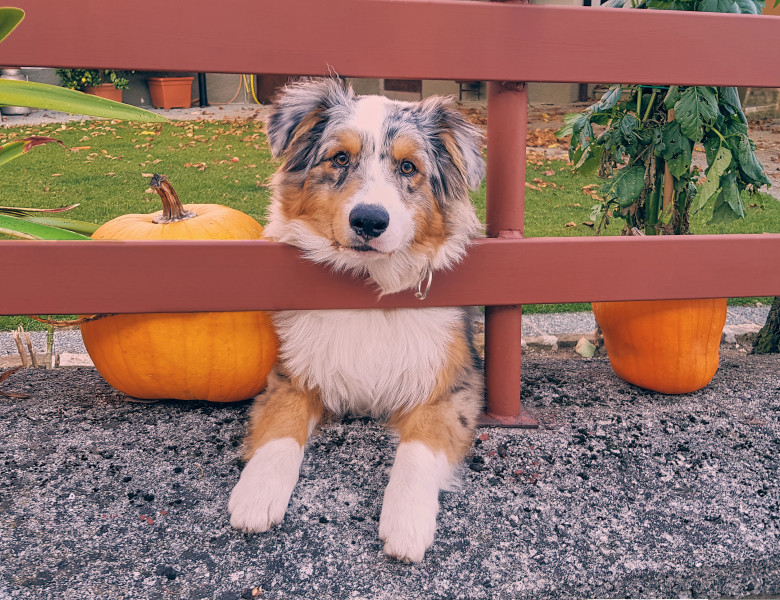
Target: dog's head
pixel 371 185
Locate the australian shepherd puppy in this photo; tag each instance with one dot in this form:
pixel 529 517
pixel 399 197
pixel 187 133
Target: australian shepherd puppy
pixel 378 188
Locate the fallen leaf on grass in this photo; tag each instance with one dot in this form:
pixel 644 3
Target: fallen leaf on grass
pixel 544 138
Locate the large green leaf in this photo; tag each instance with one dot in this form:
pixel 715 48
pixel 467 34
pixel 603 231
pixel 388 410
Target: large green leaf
pixel 676 149
pixel 625 186
pixel 609 100
pixel 749 164
pixel 697 106
pixel 571 120
pixel 728 202
pixel 35 231
pixel 82 227
pixel 9 19
pixel 51 97
pixel 750 7
pixel 711 185
pixel 672 96
pixel 50 217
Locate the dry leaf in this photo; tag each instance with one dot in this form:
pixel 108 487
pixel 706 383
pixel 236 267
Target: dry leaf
pixel 584 348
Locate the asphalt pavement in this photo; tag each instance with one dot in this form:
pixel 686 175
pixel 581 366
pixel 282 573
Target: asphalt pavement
pixel 621 493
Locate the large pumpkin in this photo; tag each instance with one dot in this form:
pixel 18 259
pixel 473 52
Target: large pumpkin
pixel 216 356
pixel 668 346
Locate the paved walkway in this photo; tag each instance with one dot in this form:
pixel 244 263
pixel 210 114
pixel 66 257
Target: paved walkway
pixel 551 331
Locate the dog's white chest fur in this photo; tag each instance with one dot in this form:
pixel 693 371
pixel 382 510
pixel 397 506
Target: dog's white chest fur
pixel 368 362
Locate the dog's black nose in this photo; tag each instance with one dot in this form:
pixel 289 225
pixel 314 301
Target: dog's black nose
pixel 369 220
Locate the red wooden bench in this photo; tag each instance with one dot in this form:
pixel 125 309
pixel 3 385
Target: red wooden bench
pixel 419 39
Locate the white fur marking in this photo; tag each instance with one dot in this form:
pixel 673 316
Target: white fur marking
pixel 370 113
pixel 261 495
pixel 371 362
pixel 408 521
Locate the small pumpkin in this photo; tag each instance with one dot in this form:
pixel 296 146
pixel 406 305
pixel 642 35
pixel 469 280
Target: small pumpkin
pixel 668 346
pixel 215 356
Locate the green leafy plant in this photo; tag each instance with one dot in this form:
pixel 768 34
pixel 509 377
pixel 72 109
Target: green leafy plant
pixel 641 139
pixel 80 79
pixel 31 223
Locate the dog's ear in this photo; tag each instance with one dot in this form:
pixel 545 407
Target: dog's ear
pixel 461 140
pixel 300 108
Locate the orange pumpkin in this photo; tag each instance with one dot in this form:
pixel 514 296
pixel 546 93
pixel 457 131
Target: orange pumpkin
pixel 216 356
pixel 668 346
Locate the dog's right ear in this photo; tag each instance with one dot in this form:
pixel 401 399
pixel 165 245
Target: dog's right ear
pixel 300 111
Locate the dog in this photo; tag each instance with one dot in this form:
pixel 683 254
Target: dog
pixel 378 188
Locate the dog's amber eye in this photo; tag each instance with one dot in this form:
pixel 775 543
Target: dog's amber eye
pixel 341 159
pixel 407 167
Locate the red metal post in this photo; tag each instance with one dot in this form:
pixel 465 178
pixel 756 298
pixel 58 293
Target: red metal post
pixel 507 129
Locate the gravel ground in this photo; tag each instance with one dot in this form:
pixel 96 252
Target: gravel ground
pixel 621 493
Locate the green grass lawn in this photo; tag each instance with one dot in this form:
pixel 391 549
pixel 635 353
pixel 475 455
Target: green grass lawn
pixel 107 167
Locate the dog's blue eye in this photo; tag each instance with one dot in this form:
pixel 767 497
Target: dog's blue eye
pixel 407 168
pixel 341 159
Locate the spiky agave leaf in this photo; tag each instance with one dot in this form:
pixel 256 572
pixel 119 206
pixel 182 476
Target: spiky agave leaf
pixel 13 150
pixel 9 19
pixel 52 97
pixel 23 229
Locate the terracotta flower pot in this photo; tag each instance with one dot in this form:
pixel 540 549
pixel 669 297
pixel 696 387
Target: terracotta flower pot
pixel 170 92
pixel 105 90
pixel 668 346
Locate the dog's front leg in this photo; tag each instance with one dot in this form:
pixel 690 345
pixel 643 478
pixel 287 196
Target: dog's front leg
pixel 434 439
pixel 282 419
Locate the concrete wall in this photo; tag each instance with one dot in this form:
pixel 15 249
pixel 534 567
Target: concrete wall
pixel 223 88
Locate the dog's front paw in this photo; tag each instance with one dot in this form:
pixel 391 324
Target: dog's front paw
pixel 263 492
pixel 408 520
pixel 406 529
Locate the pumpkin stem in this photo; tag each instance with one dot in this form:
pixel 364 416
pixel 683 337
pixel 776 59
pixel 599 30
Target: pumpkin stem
pixel 173 211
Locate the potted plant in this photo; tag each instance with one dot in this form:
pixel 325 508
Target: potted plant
pixel 644 150
pixel 170 91
pixel 106 83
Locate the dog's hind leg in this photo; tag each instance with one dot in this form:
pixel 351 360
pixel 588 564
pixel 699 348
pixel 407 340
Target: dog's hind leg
pixel 282 419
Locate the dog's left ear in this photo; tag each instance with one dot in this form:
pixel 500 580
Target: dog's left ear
pixel 462 142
